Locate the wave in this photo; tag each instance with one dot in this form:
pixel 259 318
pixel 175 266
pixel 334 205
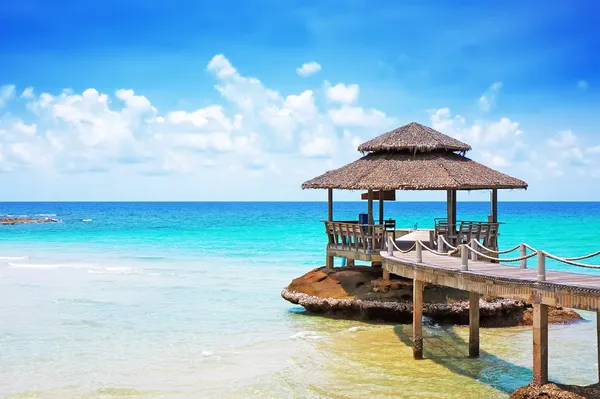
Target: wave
pixel 357 328
pixel 121 270
pixel 48 265
pixel 48 215
pixel 150 257
pixel 86 220
pixel 13 258
pixel 207 353
pixel 306 335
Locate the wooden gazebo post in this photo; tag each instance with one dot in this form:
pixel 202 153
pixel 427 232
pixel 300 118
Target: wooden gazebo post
pixel 330 204
pixel 451 209
pixel 380 207
pixel 329 259
pixel 494 205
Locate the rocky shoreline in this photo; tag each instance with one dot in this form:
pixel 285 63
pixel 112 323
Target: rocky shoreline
pixel 360 293
pixel 557 391
pixel 22 220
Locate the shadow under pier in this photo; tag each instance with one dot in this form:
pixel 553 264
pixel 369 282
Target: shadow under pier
pixel 443 346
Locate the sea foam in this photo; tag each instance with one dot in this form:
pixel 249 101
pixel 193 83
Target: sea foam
pixel 306 335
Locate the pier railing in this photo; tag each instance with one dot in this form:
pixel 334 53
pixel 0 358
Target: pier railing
pixel 474 250
pixel 356 237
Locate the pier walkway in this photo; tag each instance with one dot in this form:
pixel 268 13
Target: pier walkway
pixel 460 268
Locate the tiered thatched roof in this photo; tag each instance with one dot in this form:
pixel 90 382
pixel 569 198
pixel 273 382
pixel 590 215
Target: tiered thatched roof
pixel 413 137
pixel 414 157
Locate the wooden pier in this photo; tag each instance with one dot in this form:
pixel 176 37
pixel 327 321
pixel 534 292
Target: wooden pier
pixel 417 157
pixel 481 277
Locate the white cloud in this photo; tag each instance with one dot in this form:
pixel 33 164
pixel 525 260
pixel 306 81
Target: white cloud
pixel 28 93
pixel 488 99
pixel 7 93
pixel 501 130
pixel 341 93
pixel 309 68
pixel 252 129
pixel 494 160
pixel 563 140
pixel 357 116
pixel 593 150
pixel 582 84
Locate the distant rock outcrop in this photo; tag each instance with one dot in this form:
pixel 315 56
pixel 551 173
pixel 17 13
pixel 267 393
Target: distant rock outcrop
pixel 20 220
pixel 360 293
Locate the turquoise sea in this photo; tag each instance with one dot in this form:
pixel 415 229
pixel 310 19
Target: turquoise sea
pixel 182 300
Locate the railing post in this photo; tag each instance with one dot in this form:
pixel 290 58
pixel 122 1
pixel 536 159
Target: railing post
pixel 419 252
pixel 464 256
pixel 522 253
pixel 473 246
pixel 440 243
pixel 390 245
pixel 541 266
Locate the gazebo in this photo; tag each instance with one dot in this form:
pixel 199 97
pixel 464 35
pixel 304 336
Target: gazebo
pixel 411 157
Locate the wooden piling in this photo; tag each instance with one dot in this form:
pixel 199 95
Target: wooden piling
pixel 473 324
pixel 598 340
pixel 417 319
pixel 386 275
pixel 540 344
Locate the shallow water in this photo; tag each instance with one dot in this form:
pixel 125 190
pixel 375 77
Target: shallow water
pixel 182 300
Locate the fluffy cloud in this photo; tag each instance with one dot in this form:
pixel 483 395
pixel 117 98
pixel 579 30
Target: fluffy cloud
pixel 309 68
pixel 488 99
pixel 341 93
pixel 252 128
pixel 7 93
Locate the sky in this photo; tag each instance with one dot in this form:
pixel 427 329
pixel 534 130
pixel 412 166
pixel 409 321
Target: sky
pixel 237 100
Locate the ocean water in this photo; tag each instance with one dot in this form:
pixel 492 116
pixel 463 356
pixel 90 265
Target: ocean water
pixel 182 300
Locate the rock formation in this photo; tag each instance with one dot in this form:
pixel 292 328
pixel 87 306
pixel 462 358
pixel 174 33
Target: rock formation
pixel 361 293
pixel 19 220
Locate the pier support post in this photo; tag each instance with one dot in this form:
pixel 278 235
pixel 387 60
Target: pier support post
pixel 540 344
pixel 328 260
pixel 417 319
pixel 473 324
pixel 386 275
pixel 329 263
pixel 349 262
pixel 598 339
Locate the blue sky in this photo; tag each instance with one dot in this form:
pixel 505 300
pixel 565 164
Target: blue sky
pixel 187 100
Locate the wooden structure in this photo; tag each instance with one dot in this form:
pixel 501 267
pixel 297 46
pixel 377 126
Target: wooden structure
pixel 480 277
pixel 411 157
pixel 416 157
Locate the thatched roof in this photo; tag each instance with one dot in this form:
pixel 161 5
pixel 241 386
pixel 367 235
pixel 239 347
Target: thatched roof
pixel 414 138
pixel 438 170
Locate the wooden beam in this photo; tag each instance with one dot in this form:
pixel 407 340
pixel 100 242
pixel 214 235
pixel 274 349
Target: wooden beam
pixel 330 204
pixel 473 324
pixel 540 344
pixel 417 319
pixel 387 195
pixel 494 205
pixel 380 210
